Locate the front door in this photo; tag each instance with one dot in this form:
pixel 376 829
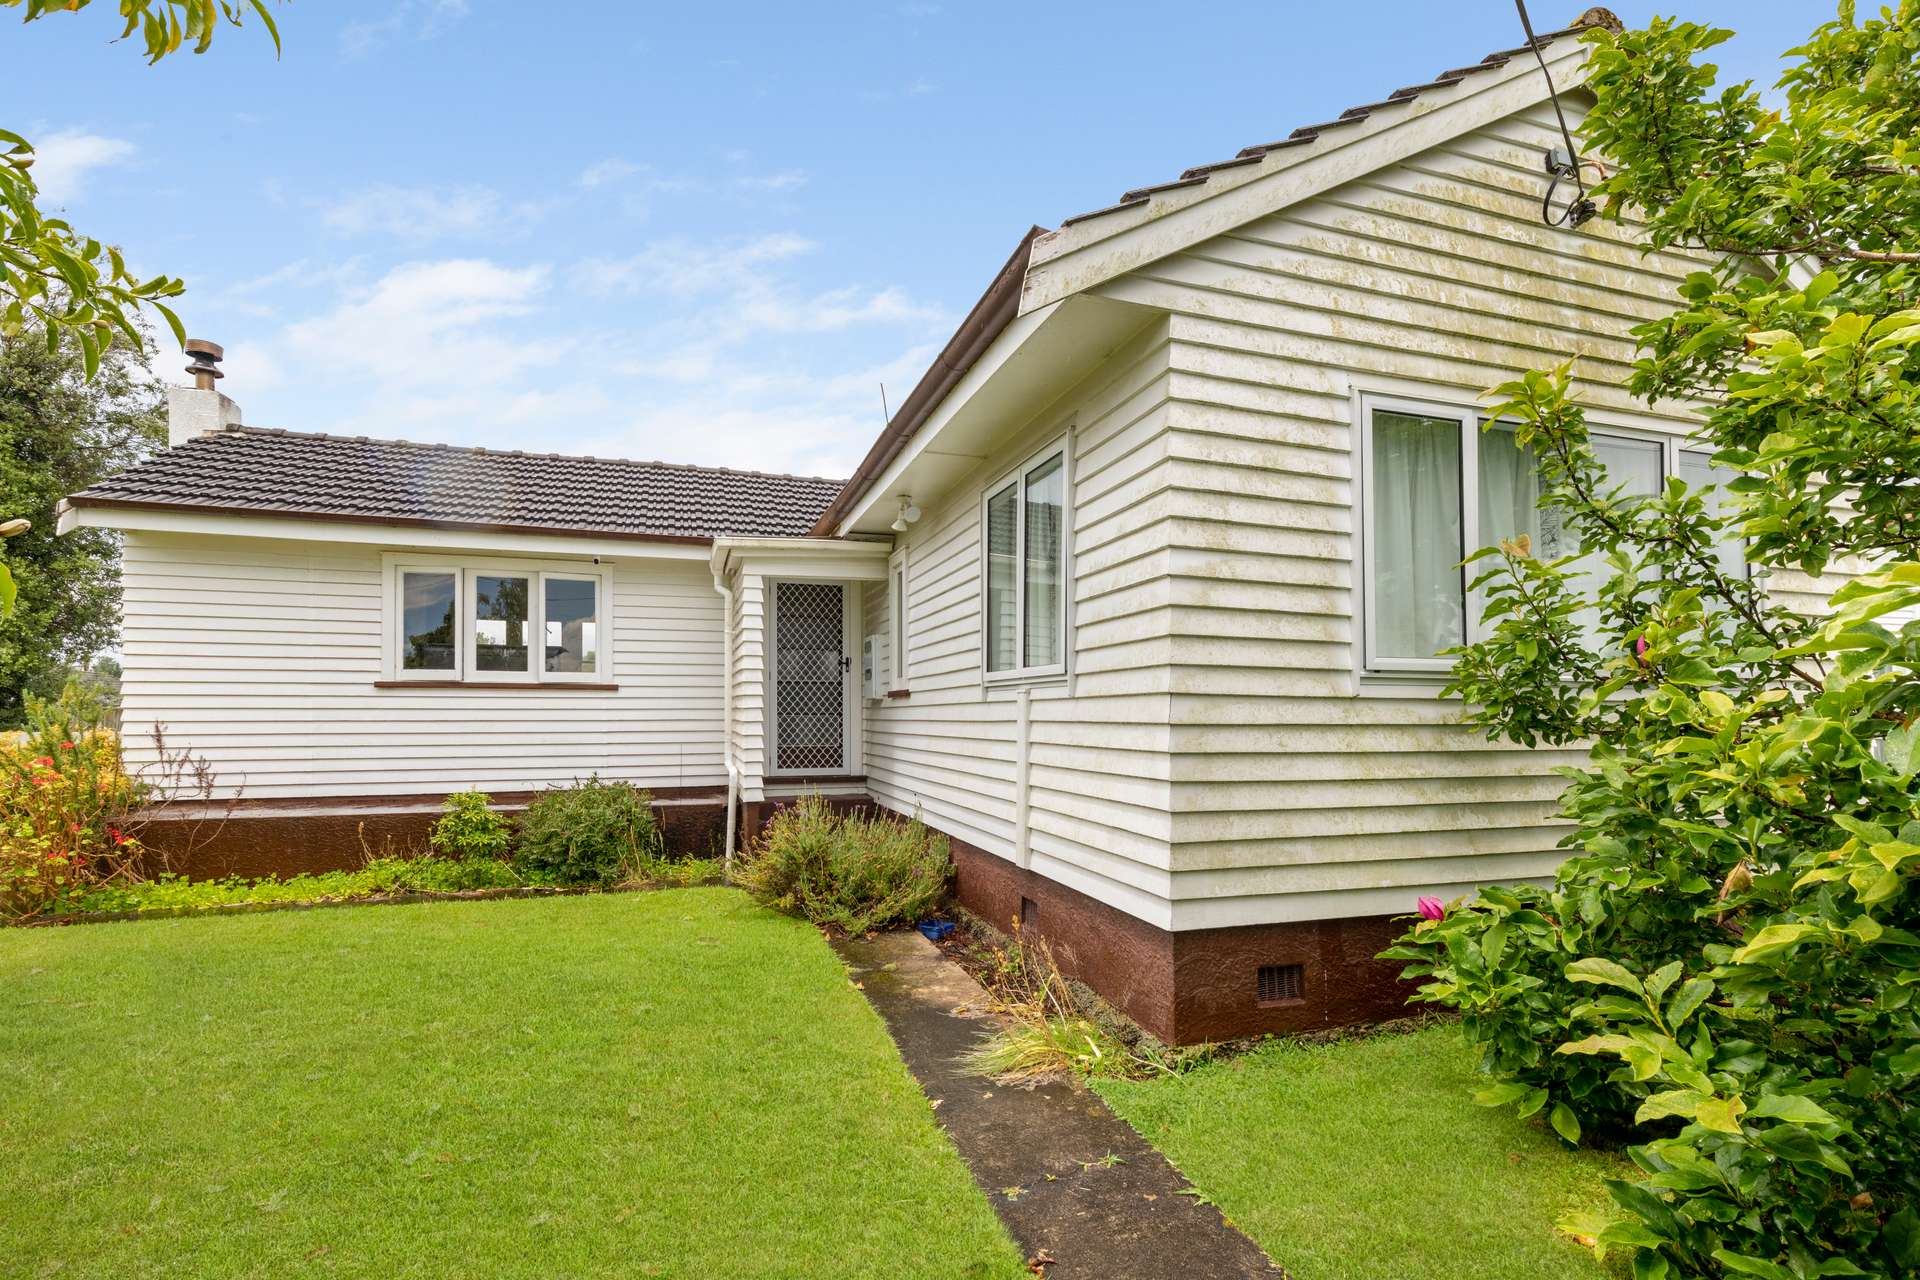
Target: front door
pixel 810 667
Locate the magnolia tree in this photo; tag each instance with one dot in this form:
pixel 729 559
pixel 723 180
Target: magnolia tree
pixel 1725 974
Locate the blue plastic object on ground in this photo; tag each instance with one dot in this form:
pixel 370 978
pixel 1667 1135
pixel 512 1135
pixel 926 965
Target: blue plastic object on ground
pixel 935 929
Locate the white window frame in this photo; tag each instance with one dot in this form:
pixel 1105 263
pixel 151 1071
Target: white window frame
pixel 1372 665
pixel 1016 476
pixel 601 630
pixel 396 619
pixel 464 571
pixel 897 588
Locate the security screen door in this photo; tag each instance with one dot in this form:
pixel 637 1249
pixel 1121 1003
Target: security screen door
pixel 810 667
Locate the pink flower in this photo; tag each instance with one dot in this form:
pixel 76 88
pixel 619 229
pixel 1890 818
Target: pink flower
pixel 1640 649
pixel 1432 908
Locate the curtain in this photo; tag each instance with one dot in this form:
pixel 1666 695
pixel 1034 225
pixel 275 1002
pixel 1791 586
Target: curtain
pixel 1419 607
pixel 1698 470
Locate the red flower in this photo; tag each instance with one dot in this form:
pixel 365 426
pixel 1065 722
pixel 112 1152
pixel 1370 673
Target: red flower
pixel 66 746
pixel 43 762
pixel 117 837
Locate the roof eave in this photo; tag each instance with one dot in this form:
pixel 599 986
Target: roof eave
pixel 985 322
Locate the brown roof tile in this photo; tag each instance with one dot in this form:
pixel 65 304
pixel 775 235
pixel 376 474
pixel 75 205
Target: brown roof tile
pixel 250 470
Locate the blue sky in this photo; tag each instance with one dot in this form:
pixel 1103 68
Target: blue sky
pixel 699 233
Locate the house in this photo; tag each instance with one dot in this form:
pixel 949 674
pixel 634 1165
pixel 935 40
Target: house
pixel 1137 598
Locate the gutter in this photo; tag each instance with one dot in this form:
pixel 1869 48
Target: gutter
pixel 989 318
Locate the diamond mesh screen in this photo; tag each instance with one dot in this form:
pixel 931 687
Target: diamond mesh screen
pixel 809 677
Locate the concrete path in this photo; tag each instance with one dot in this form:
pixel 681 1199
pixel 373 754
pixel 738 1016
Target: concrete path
pixel 1069 1178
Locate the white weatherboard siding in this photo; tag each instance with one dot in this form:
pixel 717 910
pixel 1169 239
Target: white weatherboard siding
pixel 1099 813
pixel 1300 792
pixel 262 655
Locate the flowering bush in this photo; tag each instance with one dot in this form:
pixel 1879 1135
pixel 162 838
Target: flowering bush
pixel 1729 964
pixel 64 812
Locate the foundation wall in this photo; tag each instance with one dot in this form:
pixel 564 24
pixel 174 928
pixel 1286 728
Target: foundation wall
pixel 1202 984
pixel 267 838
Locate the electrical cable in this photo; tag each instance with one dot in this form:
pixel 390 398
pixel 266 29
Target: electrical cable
pixel 1580 209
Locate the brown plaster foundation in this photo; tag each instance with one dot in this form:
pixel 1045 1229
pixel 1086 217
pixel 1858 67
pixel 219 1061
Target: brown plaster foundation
pixel 288 837
pixel 1198 984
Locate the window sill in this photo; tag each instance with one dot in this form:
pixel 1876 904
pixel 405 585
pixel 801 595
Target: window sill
pixel 548 685
pixel 1014 684
pixel 1402 684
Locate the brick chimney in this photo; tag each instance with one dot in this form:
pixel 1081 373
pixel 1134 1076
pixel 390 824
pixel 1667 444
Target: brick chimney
pixel 200 410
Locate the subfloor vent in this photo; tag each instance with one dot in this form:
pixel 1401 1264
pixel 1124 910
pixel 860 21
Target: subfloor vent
pixel 1282 983
pixel 1029 913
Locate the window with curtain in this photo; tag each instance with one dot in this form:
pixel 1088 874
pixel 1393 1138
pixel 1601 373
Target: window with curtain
pixel 1440 487
pixel 1419 597
pixel 1026 571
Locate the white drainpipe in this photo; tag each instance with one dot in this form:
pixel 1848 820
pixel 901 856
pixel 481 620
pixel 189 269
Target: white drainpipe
pixel 726 714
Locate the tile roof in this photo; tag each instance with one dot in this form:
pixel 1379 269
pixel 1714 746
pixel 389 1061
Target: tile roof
pixel 1308 134
pixel 270 472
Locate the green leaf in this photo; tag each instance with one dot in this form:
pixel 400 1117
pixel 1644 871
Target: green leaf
pixel 1600 970
pixel 1773 940
pixel 1793 1108
pixel 1499 1095
pixel 1722 1115
pixel 1749 1266
pixel 1672 1102
pixel 1648 1265
pixel 8 592
pixel 1565 1123
pixel 1688 998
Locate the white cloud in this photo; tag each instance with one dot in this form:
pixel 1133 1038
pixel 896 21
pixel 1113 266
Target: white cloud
pixel 63 161
pixel 420 19
pixel 709 352
pixel 686 267
pixel 787 180
pixel 422 214
pixel 430 327
pixel 606 171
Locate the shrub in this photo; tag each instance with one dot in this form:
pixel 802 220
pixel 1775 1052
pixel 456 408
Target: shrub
pixel 591 833
pixel 1731 959
pixel 65 805
pixel 469 829
pixel 854 872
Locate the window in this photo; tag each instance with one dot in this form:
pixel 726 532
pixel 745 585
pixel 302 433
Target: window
pixel 1026 615
pixel 1438 487
pixel 502 623
pixel 897 614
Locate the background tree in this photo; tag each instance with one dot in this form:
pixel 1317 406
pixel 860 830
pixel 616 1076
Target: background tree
pixel 1726 971
pixel 59 432
pixel 55 280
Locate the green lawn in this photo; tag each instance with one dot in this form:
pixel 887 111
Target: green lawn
pixel 1368 1160
pixel 660 1084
